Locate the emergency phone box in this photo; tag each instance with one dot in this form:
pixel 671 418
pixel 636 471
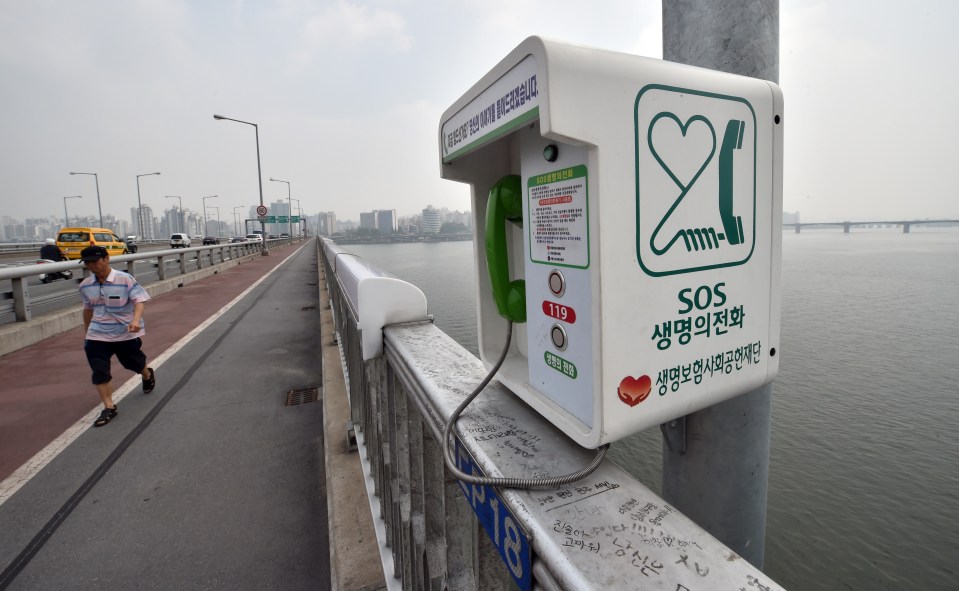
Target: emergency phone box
pixel 628 220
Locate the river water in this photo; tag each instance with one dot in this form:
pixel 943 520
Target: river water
pixel 864 468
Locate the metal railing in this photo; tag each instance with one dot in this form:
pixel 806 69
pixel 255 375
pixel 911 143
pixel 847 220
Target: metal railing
pixel 607 531
pixel 204 256
pixel 17 247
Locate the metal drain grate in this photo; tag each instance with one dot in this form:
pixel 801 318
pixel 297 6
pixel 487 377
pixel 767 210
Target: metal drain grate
pixel 294 397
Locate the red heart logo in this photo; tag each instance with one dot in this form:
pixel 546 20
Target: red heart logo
pixel 632 391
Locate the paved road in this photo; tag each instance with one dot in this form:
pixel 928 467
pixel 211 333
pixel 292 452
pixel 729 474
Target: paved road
pixel 211 481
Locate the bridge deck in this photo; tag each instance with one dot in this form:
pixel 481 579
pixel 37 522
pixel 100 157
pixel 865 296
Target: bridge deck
pixel 211 481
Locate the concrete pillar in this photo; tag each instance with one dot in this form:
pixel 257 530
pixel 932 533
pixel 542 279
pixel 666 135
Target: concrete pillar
pixel 905 228
pixel 22 308
pixel 721 478
pixel 736 36
pixel 798 226
pixel 845 227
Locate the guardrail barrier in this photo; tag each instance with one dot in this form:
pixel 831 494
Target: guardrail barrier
pixel 204 256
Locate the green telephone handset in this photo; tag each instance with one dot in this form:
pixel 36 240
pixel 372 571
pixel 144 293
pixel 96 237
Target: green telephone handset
pixel 505 204
pixel 732 140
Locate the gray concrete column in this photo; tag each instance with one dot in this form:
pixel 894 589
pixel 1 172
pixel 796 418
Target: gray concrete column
pixel 736 36
pixel 721 479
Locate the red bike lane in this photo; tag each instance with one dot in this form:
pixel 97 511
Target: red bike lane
pixel 45 388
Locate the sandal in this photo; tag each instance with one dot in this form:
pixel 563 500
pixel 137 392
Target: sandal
pixel 105 417
pixel 149 384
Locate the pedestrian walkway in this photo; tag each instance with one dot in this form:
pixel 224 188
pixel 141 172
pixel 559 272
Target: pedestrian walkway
pixel 211 481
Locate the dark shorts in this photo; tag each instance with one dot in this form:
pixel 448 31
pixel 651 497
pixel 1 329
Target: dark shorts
pixel 99 353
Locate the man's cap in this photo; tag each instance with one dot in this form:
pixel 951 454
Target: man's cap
pixel 93 253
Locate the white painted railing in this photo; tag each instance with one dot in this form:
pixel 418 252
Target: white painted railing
pixel 607 531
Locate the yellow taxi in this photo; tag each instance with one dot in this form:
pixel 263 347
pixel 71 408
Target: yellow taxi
pixel 73 240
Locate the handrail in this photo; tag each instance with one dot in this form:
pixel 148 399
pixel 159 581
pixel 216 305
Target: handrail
pixel 607 531
pixel 19 275
pixel 29 270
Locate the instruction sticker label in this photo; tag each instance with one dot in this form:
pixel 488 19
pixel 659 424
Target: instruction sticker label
pixel 695 180
pixel 558 218
pixel 512 101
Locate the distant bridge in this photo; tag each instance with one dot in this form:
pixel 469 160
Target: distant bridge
pixel 906 224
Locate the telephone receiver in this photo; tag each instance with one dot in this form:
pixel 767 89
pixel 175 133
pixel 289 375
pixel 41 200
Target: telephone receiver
pixel 505 203
pixel 732 140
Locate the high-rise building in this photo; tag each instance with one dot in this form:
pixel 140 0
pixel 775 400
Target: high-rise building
pixel 326 223
pixel 431 221
pixel 386 221
pixel 150 230
pixel 173 222
pixel 279 208
pixel 368 220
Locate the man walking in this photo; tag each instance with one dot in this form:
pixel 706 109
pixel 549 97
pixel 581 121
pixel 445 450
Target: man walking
pixel 113 305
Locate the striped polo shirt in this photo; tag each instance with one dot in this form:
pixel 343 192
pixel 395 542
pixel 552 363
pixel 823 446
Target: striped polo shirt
pixel 112 304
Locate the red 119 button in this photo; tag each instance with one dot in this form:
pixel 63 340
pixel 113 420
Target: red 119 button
pixel 559 311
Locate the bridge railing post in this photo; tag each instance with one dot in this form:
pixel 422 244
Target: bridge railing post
pixel 21 299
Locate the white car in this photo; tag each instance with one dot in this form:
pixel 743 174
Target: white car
pixel 180 240
pixel 254 237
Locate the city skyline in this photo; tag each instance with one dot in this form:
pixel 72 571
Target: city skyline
pixel 162 223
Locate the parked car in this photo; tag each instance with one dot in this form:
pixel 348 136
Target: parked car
pixel 73 240
pixel 237 239
pixel 254 237
pixel 180 240
pixel 210 240
pixel 284 235
pixel 273 236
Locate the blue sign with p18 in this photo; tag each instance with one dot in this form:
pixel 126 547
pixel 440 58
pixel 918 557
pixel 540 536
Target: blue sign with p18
pixel 500 524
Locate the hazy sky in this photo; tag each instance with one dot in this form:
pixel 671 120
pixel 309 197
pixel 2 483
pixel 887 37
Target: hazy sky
pixel 348 95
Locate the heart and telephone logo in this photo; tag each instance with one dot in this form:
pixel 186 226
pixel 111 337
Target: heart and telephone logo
pixel 696 180
pixel 632 390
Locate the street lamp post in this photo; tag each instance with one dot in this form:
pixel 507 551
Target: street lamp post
pixel 265 251
pixel 290 199
pixel 205 230
pixel 299 214
pixel 66 217
pixel 179 222
pixel 97 181
pixel 140 206
pixel 236 220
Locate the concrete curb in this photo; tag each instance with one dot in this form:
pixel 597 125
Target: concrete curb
pixel 354 549
pixel 14 337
